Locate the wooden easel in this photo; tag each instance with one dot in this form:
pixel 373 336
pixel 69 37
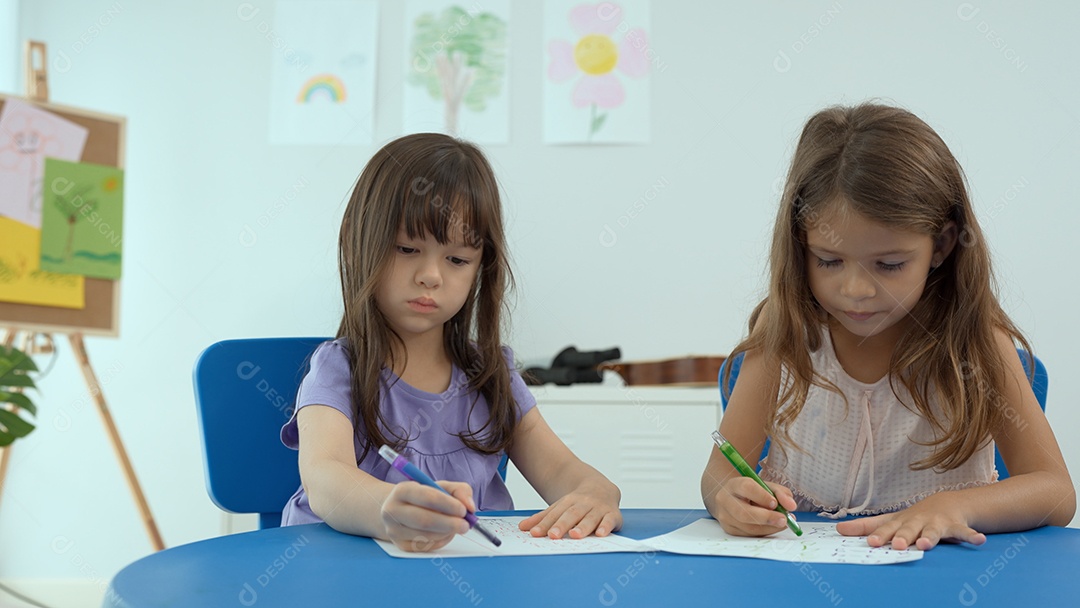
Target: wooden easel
pixel 37 90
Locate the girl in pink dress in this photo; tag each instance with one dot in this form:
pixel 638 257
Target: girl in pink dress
pixel 881 365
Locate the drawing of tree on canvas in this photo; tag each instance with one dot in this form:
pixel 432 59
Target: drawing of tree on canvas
pixel 460 58
pixel 82 229
pixel 70 205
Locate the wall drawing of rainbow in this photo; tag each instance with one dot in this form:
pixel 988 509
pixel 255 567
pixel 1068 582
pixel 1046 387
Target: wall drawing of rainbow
pixel 326 85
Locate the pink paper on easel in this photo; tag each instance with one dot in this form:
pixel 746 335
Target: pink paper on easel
pixel 28 134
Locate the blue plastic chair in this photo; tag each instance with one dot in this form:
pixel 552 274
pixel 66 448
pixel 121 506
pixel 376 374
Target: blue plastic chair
pixel 244 392
pixel 1039 385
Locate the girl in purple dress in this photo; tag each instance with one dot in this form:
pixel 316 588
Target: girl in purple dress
pixel 418 365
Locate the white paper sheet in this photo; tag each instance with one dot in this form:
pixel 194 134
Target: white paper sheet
pixel 322 86
pixel 820 544
pixel 27 135
pixel 517 542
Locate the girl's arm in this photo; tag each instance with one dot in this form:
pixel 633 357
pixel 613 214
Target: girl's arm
pixel 582 500
pixel 740 505
pixel 1038 491
pixel 413 516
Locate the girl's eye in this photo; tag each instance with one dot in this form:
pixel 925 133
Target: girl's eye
pixel 406 250
pixel 456 261
pixel 827 263
pixel 891 267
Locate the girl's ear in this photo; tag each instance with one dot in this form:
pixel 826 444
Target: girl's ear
pixel 944 243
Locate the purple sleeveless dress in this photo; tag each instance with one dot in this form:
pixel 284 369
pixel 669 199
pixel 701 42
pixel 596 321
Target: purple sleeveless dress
pixel 430 420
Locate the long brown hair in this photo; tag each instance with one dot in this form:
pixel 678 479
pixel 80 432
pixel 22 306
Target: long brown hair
pixel 428 184
pixel 888 165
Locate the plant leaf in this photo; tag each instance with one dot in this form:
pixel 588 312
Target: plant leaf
pixel 14 365
pixel 14 374
pixel 27 364
pixel 19 400
pixel 16 379
pixel 15 359
pixel 12 426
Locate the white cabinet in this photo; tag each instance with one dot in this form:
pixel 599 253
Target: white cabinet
pixel 652 442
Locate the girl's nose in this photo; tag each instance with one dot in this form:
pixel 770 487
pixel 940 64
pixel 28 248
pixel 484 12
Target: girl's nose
pixel 428 274
pixel 858 284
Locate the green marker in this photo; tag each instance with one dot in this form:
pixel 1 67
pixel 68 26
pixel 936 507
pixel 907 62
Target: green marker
pixel 740 465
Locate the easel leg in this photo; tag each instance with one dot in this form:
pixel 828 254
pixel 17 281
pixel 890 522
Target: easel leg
pixel 114 436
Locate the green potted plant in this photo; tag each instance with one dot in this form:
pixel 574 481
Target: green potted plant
pixel 15 368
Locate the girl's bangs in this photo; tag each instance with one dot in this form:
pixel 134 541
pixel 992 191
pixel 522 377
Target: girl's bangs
pixel 447 214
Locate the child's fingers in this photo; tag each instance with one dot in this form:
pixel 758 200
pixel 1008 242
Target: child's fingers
pixel 575 515
pixel 599 522
pixel 421 543
pixel 587 525
pixel 748 490
pixel 569 517
pixel 740 517
pixel 555 521
pixel 581 520
pixel 926 537
pixel 410 517
pixel 740 529
pixel 756 521
pixel 784 496
pixel 901 533
pixel 611 522
pixel 531 521
pixel 419 507
pixel 746 509
pixel 968 535
pixel 538 524
pixel 429 498
pixel 931 537
pixel 417 540
pixel 419 532
pixel 461 491
pixel 863 526
pixel 881 530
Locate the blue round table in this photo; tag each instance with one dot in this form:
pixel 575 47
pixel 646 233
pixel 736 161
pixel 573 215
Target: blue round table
pixel 314 565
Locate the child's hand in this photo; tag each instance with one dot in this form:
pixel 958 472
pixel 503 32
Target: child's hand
pixel 578 515
pixel 744 508
pixel 922 525
pixel 419 518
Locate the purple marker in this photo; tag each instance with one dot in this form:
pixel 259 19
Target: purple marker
pixel 410 470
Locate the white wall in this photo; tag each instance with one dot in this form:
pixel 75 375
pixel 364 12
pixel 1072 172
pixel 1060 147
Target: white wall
pixel 9 39
pixel 193 80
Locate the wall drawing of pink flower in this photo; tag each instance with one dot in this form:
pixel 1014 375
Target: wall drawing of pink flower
pixel 605 45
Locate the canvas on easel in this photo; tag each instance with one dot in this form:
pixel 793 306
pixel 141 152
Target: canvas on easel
pixel 100 315
pixel 47 128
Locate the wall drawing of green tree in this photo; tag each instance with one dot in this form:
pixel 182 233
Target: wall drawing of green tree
pixel 460 58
